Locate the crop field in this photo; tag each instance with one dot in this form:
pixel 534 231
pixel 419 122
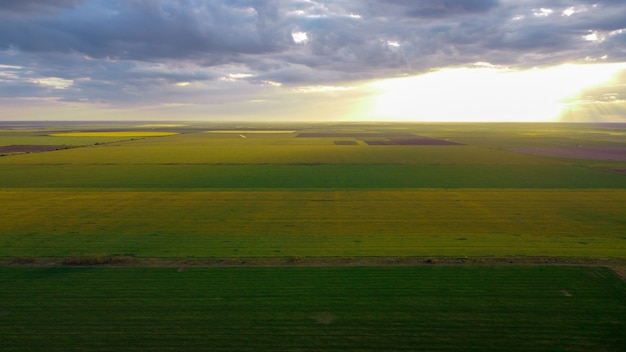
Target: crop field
pixel 328 308
pixel 314 223
pixel 312 236
pixel 114 134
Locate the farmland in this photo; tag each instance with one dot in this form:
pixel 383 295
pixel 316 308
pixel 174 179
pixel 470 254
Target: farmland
pixel 314 223
pixel 330 308
pixel 113 134
pixel 293 207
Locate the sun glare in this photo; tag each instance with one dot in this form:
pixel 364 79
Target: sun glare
pixel 486 93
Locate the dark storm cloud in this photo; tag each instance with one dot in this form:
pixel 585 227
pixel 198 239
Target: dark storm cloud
pixel 36 6
pixel 146 30
pixel 122 50
pixel 219 32
pixel 438 9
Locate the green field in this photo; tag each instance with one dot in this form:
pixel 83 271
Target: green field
pixel 209 192
pixel 315 223
pixel 325 176
pixel 292 207
pixel 313 309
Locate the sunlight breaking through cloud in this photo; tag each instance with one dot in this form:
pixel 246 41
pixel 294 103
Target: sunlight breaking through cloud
pixel 218 55
pixel 485 93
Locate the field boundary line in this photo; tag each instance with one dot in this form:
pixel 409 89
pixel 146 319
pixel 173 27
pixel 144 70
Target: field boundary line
pixel 618 265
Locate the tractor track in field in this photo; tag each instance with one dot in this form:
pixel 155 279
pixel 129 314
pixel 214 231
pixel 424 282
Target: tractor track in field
pixel 618 265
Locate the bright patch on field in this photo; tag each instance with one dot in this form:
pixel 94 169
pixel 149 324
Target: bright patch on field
pixel 113 134
pixel 162 125
pixel 250 131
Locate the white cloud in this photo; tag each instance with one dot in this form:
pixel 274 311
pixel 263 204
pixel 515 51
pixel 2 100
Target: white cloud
pixel 53 82
pixel 233 77
pixel 616 32
pixel 10 73
pixel 542 12
pixel 300 37
pixel 594 36
pixel 11 67
pixel 271 83
pixel 321 89
pixel 572 10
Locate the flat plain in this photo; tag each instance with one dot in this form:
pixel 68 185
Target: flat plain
pixel 304 203
pixel 436 308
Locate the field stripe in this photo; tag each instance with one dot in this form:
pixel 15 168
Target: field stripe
pixel 117 174
pixel 330 309
pixel 307 223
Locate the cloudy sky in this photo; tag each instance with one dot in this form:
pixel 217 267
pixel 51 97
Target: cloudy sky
pixel 329 60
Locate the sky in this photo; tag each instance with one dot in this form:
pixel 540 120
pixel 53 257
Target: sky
pixel 313 60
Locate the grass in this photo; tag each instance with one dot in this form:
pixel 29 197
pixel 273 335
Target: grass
pixel 205 149
pixel 47 140
pixel 312 309
pixel 307 176
pixel 314 223
pixel 288 245
pixel 114 134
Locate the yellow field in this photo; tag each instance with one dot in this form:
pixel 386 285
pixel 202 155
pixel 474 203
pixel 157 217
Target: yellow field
pixel 268 148
pixel 273 194
pixel 251 131
pixel 320 223
pixel 114 134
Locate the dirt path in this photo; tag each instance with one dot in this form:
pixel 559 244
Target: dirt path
pixel 618 265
